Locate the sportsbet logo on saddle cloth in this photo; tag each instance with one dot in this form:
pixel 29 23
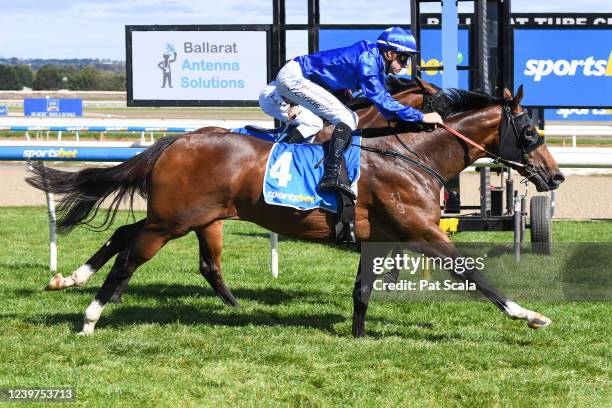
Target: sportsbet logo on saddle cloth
pixel 291 177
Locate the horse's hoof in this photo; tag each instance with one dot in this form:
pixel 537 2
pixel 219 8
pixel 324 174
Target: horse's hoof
pixel 538 321
pixel 55 282
pixel 83 333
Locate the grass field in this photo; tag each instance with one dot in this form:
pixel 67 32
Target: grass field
pixel 172 343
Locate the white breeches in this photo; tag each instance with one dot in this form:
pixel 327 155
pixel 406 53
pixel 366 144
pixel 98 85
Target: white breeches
pixel 319 103
pixel 274 105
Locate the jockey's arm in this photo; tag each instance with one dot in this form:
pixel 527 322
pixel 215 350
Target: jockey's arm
pixel 374 90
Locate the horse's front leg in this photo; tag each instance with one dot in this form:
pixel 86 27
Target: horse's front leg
pixel 439 245
pixel 361 298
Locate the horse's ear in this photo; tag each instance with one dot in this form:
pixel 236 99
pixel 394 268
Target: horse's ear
pixel 519 96
pixel 507 94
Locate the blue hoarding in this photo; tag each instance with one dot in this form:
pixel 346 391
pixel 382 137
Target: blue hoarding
pixel 568 67
pixel 580 115
pixel 3 110
pixel 431 47
pixel 59 153
pixel 53 107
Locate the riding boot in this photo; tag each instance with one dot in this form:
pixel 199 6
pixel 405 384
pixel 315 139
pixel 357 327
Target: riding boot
pixel 331 180
pixel 293 135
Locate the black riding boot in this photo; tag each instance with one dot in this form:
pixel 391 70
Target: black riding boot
pixel 331 180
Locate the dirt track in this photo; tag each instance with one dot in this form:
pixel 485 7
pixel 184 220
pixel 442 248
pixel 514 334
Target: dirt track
pixel 580 197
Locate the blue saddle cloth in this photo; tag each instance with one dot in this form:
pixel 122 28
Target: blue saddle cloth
pixel 291 177
pixel 270 135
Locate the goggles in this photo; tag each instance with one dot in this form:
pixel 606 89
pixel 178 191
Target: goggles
pixel 403 58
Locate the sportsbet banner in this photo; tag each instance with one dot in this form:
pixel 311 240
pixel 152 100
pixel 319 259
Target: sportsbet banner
pixel 569 67
pixel 198 65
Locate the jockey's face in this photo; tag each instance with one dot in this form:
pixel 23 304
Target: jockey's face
pixel 392 65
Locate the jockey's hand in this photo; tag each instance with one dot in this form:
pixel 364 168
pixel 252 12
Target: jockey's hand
pixel 293 111
pixel 432 117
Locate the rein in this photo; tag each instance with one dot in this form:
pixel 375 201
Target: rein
pixel 469 141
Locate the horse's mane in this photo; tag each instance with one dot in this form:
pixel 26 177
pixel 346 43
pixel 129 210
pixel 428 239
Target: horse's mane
pixel 393 84
pixel 460 100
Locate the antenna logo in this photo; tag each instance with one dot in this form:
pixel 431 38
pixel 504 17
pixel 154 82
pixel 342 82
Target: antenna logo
pixel 588 67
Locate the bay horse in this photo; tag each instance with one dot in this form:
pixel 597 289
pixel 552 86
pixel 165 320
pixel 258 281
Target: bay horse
pixel 193 181
pixel 416 93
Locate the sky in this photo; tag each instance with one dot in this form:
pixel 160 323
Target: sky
pixel 95 28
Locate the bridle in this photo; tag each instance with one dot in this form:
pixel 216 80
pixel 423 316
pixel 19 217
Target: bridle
pixel 513 151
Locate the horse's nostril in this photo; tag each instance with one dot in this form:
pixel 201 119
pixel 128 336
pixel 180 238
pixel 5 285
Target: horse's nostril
pixel 558 178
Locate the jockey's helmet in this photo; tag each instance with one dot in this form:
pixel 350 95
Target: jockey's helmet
pixel 397 39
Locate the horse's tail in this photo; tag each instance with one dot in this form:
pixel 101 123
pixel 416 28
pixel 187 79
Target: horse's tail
pixel 86 190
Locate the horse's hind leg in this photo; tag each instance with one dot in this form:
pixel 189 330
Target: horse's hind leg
pixel 118 241
pixel 211 244
pixel 146 245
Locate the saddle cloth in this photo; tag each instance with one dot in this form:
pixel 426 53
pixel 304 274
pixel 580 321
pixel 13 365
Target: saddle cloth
pixel 270 135
pixel 291 177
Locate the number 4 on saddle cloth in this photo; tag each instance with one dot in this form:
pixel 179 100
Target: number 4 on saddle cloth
pixel 294 170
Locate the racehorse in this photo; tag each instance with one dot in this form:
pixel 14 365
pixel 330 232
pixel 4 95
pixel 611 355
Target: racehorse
pixel 194 180
pixel 418 93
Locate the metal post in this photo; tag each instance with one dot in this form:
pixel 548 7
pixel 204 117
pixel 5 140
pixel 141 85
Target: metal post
pixel 509 192
pixel 485 195
pixel 517 227
pixel 415 27
pixel 450 29
pixel 483 45
pixel 523 216
pixel 278 35
pixel 274 253
pixel 313 26
pixel 52 225
pixel 506 37
pixel 553 203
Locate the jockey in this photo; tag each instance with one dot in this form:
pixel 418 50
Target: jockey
pixel 309 80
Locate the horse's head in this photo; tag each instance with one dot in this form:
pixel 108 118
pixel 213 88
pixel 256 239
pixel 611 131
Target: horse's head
pixel 520 142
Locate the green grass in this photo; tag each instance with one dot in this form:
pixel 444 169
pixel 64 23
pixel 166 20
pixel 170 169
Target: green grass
pixel 172 343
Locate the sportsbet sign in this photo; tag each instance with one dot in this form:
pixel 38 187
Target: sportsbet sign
pixel 169 65
pixel 564 67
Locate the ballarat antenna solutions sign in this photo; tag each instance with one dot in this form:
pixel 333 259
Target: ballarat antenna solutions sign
pixel 195 66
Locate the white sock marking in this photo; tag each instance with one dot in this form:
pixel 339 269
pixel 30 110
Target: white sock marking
pixel 92 315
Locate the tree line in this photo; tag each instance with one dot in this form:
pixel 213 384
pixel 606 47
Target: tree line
pixel 53 77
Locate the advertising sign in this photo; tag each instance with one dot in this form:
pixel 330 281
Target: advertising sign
pixel 564 67
pixel 175 65
pixel 52 107
pixel 579 115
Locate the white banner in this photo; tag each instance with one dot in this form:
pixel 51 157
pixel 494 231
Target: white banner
pixel 198 65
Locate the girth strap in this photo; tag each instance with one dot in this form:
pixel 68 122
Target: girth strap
pixel 416 163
